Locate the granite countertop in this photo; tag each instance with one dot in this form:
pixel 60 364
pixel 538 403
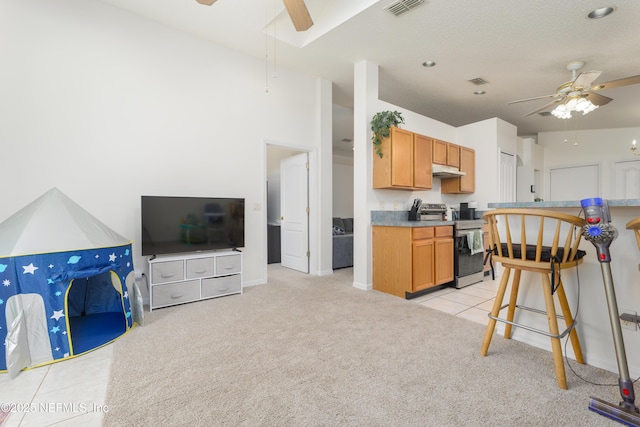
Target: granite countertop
pixel 401 219
pixel 564 204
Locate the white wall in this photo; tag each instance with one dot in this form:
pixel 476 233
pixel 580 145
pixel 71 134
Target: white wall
pixel 601 147
pixel 107 107
pixel 525 170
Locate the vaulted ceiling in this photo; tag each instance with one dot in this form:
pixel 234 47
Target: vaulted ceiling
pixel 520 48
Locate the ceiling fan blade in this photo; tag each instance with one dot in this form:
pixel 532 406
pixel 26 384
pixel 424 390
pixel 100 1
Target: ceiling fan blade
pixel 206 2
pixel 544 107
pixel 533 99
pixel 617 83
pixel 597 99
pixel 299 14
pixel 584 80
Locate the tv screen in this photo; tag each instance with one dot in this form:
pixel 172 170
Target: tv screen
pixel 189 224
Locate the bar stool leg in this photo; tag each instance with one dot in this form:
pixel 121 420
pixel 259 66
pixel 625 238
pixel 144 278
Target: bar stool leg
pixel 553 329
pixel 495 311
pixel 515 285
pixel 568 318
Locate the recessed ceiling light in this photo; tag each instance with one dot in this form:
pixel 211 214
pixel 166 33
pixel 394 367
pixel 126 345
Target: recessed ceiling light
pixel 428 64
pixel 479 92
pixel 600 13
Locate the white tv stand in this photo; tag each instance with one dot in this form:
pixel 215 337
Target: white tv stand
pixel 178 279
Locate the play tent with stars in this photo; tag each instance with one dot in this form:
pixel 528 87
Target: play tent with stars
pixel 65 279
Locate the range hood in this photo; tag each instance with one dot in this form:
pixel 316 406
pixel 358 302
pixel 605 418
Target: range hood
pixel 442 171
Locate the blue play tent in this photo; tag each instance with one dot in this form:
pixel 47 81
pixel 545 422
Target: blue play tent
pixel 64 283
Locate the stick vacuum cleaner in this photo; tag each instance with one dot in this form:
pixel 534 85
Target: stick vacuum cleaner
pixel 600 232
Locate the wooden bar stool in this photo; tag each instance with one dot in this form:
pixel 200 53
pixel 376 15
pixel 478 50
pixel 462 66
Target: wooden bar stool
pixel 559 253
pixel 634 225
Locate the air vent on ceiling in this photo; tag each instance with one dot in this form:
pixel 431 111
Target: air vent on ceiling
pixel 401 6
pixel 479 81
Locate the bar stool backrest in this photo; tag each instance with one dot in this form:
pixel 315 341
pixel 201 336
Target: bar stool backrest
pixel 634 225
pixel 529 239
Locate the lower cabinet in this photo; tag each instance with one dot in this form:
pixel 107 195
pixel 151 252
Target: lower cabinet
pixel 407 260
pixel 192 277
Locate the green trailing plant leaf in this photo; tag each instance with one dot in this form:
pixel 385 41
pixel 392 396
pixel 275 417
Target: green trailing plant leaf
pixel 380 126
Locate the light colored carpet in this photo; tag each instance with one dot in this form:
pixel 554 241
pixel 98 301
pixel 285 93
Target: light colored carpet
pixel 314 351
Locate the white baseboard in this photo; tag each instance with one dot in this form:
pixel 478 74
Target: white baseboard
pixel 362 286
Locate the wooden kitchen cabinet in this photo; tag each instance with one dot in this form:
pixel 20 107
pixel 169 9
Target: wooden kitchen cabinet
pixel 446 153
pixel 405 163
pixel 443 255
pixel 422 171
pixel 439 152
pixel 453 155
pixel 462 184
pixel 407 260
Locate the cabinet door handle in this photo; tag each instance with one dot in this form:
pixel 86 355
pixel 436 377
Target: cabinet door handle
pixel 166 275
pixel 176 296
pixel 204 270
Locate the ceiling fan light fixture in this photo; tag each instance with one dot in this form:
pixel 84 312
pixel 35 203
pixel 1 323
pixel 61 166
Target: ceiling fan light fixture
pixel 574 103
pixel 561 112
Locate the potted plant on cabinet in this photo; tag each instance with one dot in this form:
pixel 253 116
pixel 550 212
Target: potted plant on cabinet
pixel 380 126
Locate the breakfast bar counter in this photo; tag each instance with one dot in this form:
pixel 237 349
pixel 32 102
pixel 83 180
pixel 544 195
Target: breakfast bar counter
pixel 585 287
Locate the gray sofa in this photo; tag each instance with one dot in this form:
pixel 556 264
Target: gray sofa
pixel 342 242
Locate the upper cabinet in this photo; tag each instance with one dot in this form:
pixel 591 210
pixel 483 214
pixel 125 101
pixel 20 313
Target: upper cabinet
pixel 463 184
pixel 422 148
pixel 453 155
pixel 407 158
pixel 446 153
pixel 405 163
pixel 439 152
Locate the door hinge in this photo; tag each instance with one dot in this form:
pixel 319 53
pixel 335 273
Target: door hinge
pixel 308 210
pixel 307 165
pixel 308 254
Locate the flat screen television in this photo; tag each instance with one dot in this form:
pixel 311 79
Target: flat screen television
pixel 172 225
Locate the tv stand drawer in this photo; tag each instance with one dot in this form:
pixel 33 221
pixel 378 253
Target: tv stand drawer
pixel 218 286
pixel 199 267
pixel 176 293
pixel 167 271
pixel 228 264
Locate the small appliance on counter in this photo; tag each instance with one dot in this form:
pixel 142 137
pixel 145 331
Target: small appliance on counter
pixel 468 210
pixel 432 211
pixel 427 211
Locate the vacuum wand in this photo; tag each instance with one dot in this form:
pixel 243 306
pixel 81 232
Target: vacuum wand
pixel 600 232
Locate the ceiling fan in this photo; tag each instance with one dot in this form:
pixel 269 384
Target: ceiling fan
pixel 296 9
pixel 581 88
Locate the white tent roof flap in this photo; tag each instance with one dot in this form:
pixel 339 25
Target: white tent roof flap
pixel 54 223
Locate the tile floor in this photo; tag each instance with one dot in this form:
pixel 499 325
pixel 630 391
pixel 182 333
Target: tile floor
pixel 72 392
pixel 67 393
pixel 473 302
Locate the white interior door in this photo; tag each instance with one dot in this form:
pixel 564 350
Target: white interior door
pixel 294 220
pixel 507 177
